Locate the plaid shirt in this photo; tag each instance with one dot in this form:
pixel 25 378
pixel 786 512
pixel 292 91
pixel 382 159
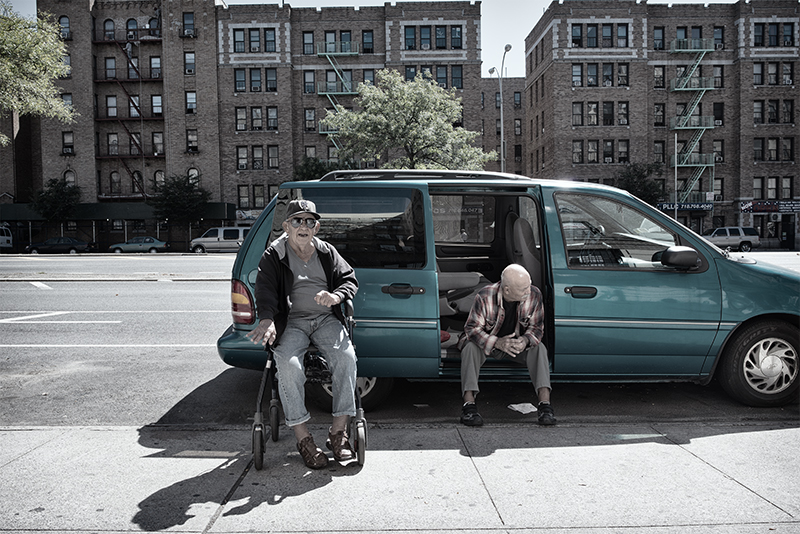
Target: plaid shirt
pixel 487 315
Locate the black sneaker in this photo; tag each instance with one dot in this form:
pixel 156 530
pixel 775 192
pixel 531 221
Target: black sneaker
pixel 546 414
pixel 470 415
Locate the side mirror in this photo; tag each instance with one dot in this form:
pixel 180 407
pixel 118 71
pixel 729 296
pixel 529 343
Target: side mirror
pixel 684 258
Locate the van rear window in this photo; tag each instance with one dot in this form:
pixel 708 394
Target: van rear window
pixel 371 228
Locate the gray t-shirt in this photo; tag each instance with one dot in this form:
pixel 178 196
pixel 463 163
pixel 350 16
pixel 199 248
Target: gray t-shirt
pixel 309 279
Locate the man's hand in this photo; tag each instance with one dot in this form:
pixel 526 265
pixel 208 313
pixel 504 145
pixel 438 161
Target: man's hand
pixel 324 298
pixel 263 333
pixel 511 344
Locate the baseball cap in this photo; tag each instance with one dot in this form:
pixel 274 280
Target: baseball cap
pixel 301 206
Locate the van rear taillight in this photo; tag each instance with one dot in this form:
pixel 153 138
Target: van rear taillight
pixel 241 303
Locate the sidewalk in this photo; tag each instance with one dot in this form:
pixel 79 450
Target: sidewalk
pixel 576 477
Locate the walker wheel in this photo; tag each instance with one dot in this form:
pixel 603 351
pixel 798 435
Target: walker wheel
pixel 258 447
pixel 360 444
pixel 274 422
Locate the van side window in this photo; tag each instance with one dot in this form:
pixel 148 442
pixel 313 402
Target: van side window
pixel 606 234
pixel 211 233
pixel 371 228
pixel 231 234
pixel 463 218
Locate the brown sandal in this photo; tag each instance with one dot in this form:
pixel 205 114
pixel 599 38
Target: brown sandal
pixel 340 445
pixel 312 455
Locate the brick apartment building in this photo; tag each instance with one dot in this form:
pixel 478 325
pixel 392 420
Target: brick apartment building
pixel 231 94
pixel 613 81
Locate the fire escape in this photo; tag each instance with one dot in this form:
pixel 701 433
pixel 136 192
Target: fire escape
pixel 697 86
pixel 336 82
pixel 132 73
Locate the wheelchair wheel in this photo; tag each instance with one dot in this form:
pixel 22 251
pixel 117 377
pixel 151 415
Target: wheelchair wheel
pixel 273 422
pixel 258 446
pixel 360 438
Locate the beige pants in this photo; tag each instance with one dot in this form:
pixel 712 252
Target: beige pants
pixel 472 358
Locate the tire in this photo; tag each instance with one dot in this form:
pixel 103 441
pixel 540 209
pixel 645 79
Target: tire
pixel 760 364
pixel 373 392
pixel 198 249
pixel 361 442
pixel 258 447
pixel 117 250
pixel 34 251
pixel 745 246
pixel 73 251
pixel 153 250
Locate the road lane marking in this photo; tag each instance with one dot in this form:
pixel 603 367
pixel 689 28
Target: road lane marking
pixel 40 285
pixel 87 346
pixel 28 319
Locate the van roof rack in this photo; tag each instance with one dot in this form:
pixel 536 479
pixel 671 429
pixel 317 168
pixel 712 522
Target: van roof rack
pixel 416 174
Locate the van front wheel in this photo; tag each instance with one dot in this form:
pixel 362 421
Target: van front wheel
pixel 373 392
pixel 198 249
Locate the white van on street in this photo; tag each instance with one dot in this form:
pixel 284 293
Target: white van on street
pixel 220 239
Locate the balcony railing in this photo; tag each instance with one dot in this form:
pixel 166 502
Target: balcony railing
pixel 692 45
pixel 691 83
pixel 124 73
pixel 123 35
pixel 337 87
pixel 693 160
pixel 127 151
pixel 695 121
pixel 337 48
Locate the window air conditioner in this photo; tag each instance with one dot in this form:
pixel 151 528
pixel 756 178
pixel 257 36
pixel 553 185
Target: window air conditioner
pixel 189 72
pixel 774 217
pixel 68 150
pixel 576 83
pixel 242 166
pixel 188 32
pixel 623 121
pixel 426 47
pixel 718 122
pixel 787 42
pixel 607 83
pixel 608 160
pixel 787 81
pixel 717 198
pixel 131 36
pixel 719 46
pixel 718 159
pixel 255 49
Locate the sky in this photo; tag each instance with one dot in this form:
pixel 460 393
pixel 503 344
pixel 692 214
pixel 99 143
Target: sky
pixel 502 22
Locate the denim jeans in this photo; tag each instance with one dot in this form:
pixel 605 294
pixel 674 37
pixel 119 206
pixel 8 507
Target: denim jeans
pixel 330 337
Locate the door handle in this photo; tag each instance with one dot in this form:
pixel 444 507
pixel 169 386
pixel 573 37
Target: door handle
pixel 581 292
pixel 403 289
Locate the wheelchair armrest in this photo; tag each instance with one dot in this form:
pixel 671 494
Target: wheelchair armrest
pixel 347 306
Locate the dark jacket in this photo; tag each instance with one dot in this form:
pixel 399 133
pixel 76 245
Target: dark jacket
pixel 274 281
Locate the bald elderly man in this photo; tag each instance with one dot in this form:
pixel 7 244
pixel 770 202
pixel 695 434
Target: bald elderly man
pixel 506 321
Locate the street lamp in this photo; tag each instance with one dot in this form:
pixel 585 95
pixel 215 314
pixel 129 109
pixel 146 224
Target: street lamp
pixel 502 122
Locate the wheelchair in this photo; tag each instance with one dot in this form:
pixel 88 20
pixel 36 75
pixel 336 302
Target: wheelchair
pixel 316 369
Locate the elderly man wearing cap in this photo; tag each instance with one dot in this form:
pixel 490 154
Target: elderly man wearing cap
pixel 301 282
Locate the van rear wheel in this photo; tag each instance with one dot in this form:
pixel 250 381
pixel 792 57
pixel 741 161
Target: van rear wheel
pixel 373 392
pixel 745 247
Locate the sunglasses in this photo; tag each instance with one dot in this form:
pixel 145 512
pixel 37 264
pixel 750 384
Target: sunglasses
pixel 297 222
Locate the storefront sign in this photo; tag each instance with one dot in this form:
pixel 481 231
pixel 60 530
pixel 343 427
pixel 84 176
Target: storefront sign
pixel 686 206
pixel 771 206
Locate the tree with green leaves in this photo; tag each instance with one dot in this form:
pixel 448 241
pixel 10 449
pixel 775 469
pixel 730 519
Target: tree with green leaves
pixel 31 61
pixel 636 179
pixel 411 121
pixel 57 201
pixel 314 168
pixel 179 198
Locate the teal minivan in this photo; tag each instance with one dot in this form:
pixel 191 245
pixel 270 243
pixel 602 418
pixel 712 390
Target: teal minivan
pixel 630 294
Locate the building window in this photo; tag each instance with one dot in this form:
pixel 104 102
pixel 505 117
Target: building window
pixel 718 76
pixel 108 30
pixel 622 150
pixel 622 74
pixel 159 177
pixel 238 41
pixel 659 154
pixel 788 34
pixel 67 143
pixel 308 43
pixel 577 35
pixel 788 73
pixel 156 105
pixel 622 113
pixel 63 22
pixel 116 184
pixel 608 35
pixel 758 74
pixel 308 82
pixel 577 151
pixel 497 126
pixel 158 143
pixel 608 114
pixel 719 37
pixel 719 150
pixel 441 76
pixel 241 119
pixel 591 75
pixel 255 119
pixel 188 63
pixel 622 35
pixel 259 198
pixel 787 111
pixel 188 25
pixel 577 75
pixel 658 114
pixel 191 141
pixel 258 158
pixel 758 112
pixel 194 176
pixel 411 38
pixel 270 41
pixel 772 30
pixel 367 42
pixel 272 118
pixel 244 196
pixel 608 151
pixel 311 119
pixel 191 102
pixel 577 113
pixel 758 188
pixel 425 37
pixel 758 149
pixel 591 113
pixel 517 126
pixel 255 80
pixel 411 73
pixel 592 155
pixel 133 106
pixel 719 113
pixel 772 73
pixel 111 106
pixel 311 152
pixel 272 157
pixel 772 111
pixel 591 35
pixel 455 37
pixel 658 38
pixel 113 144
pixel 369 76
pixel 272 80
pixel 133 68
pixel 658 77
pixel 608 74
pixel 772 188
pixel 458 80
pixel 255 40
pixel 786 187
pixel 111 68
pixel 240 80
pixel 787 149
pixel 241 157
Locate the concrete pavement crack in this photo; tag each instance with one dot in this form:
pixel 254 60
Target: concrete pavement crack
pixel 480 476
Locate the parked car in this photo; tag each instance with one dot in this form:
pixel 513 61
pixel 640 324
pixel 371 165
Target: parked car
pixel 221 239
pixel 60 245
pixel 6 238
pixel 741 238
pixel 630 294
pixel 140 244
